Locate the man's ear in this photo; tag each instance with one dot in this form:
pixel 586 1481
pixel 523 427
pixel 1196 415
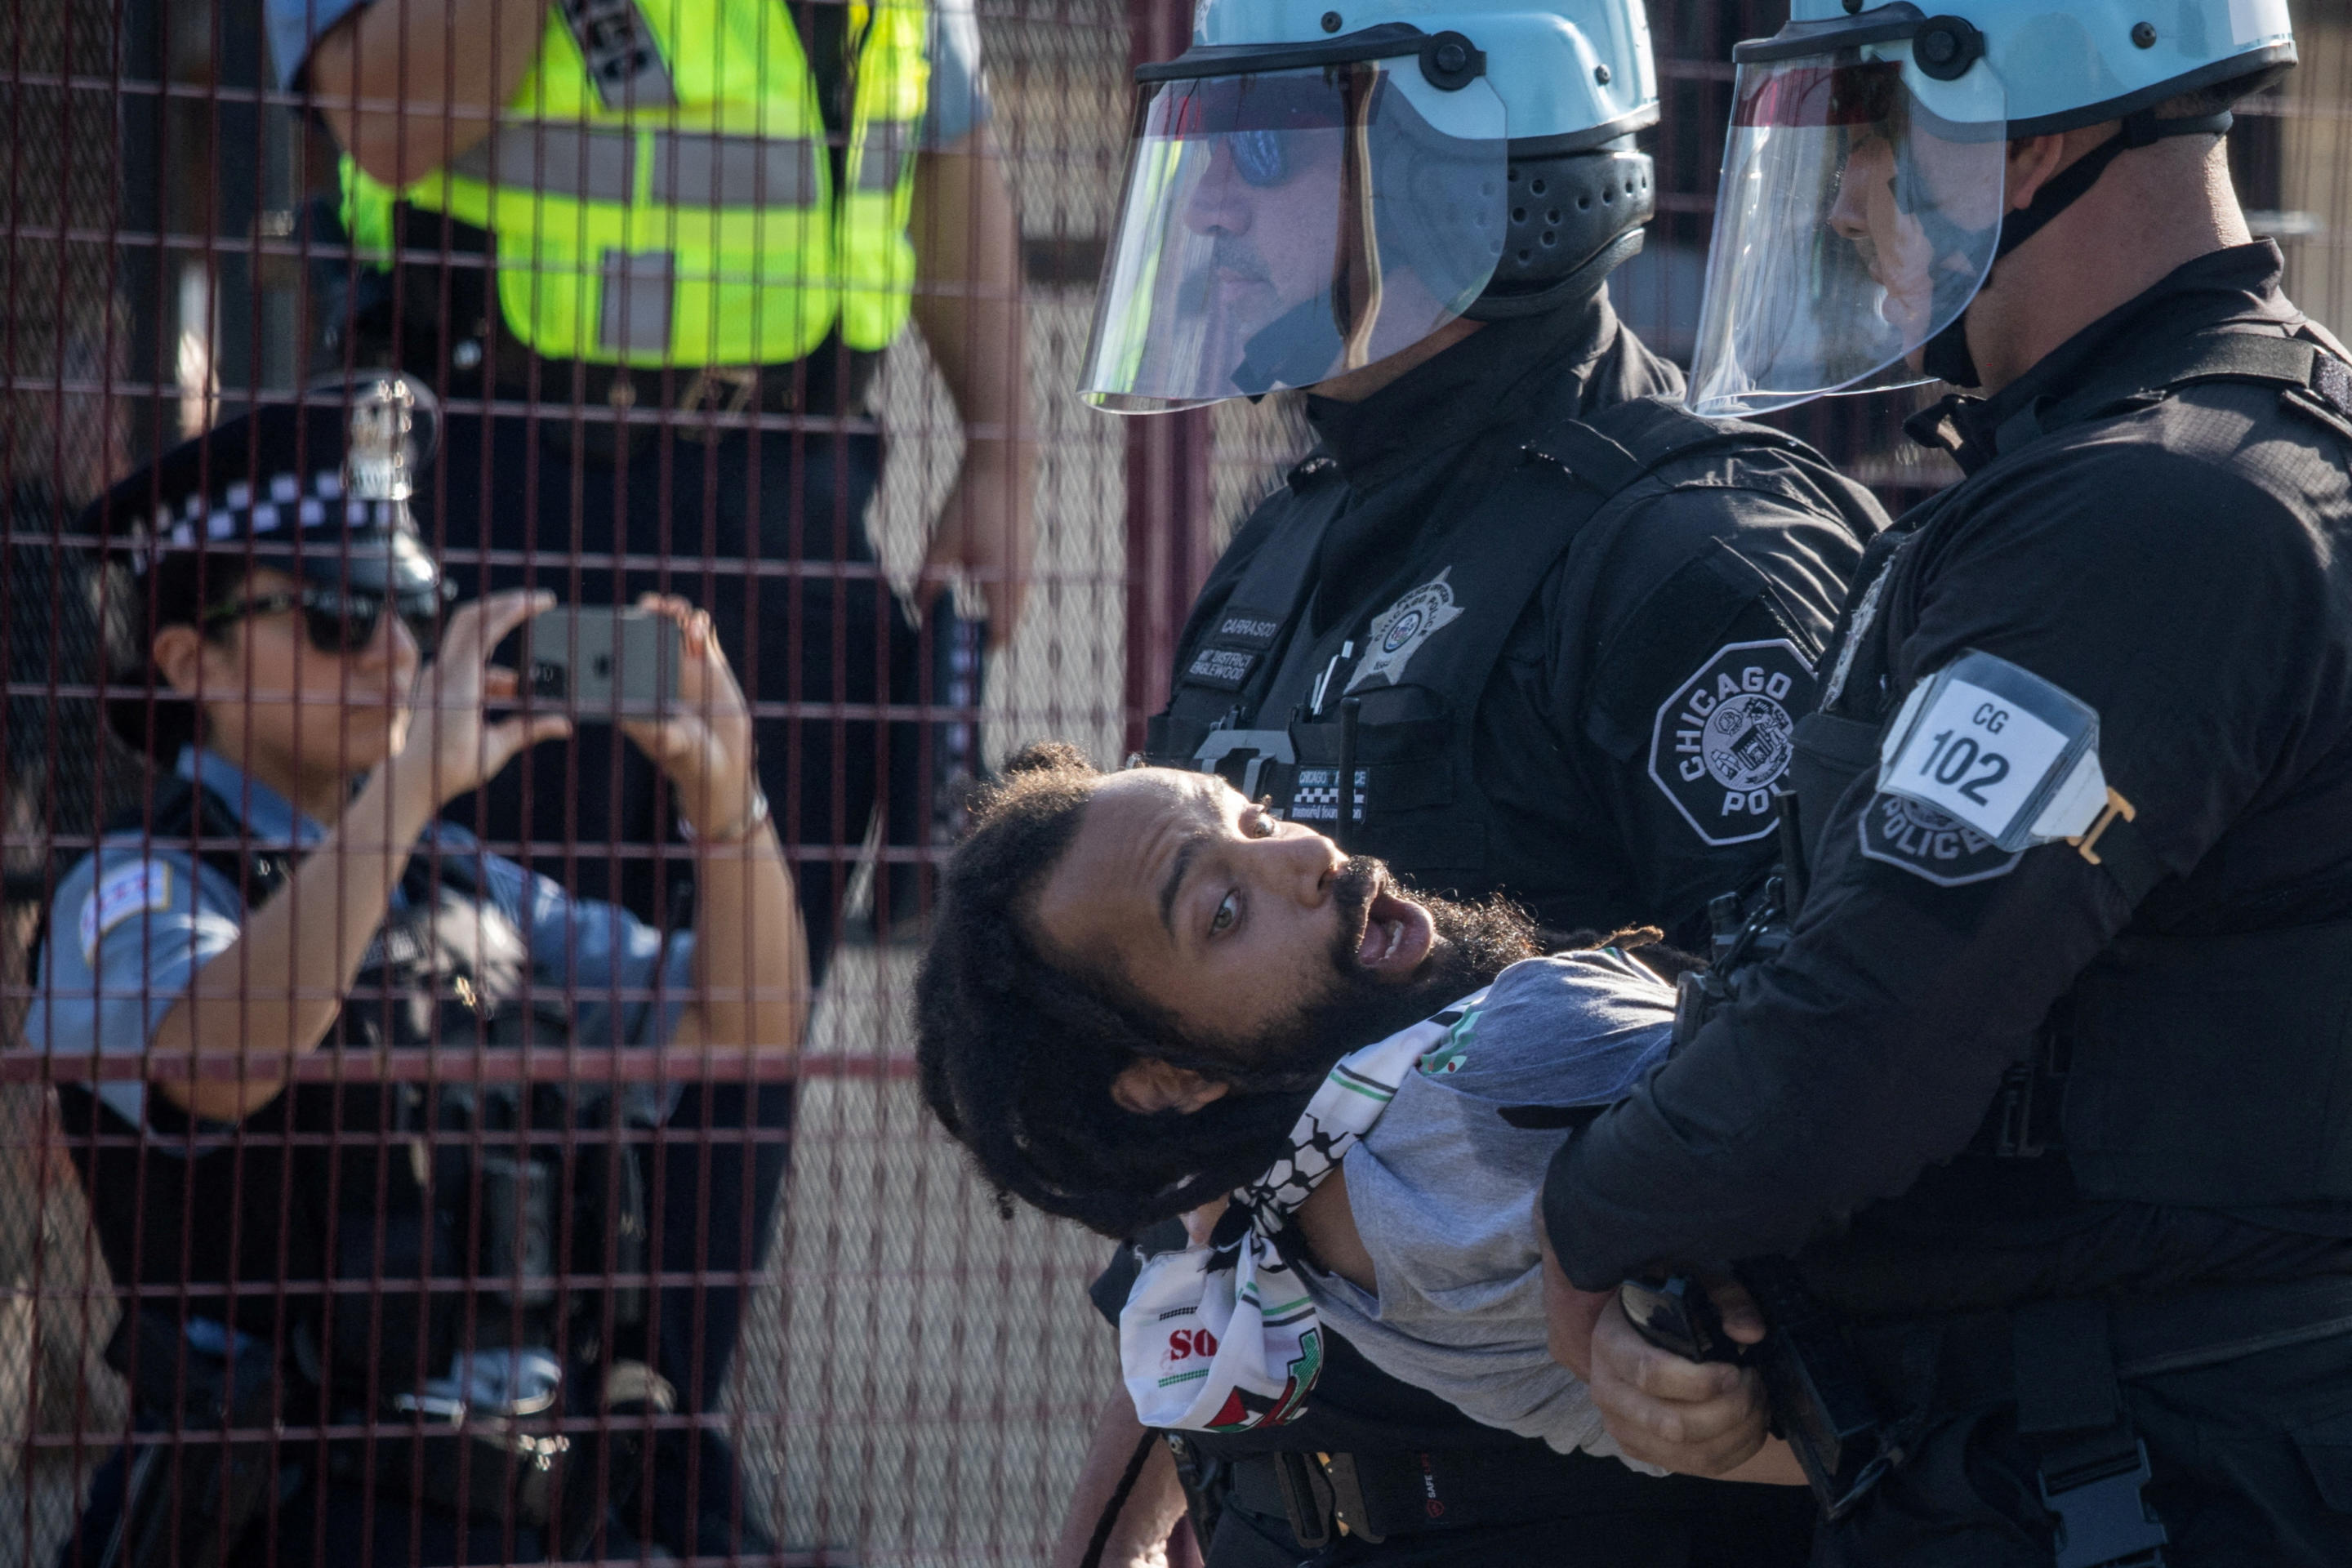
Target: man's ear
pixel 179 652
pixel 2033 162
pixel 1147 1087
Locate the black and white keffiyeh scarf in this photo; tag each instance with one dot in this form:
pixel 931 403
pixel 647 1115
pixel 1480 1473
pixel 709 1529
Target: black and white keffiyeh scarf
pixel 1224 1337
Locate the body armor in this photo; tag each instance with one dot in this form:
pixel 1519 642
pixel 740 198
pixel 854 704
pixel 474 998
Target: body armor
pixel 2206 1068
pixel 1384 694
pixel 509 1186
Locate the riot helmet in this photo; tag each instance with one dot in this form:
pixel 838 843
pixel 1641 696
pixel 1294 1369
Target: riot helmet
pixel 1311 190
pixel 1862 203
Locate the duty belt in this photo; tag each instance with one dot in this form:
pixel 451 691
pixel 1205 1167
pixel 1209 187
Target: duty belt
pixel 1375 1496
pixel 709 402
pixel 2062 1364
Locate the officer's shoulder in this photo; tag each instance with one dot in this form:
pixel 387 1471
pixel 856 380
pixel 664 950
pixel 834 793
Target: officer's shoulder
pixel 2211 474
pixel 1299 491
pixel 1694 479
pixel 124 876
pixel 117 853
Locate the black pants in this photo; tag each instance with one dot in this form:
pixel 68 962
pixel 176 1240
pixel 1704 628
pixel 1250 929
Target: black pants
pixel 748 527
pixel 1693 1524
pixel 2251 1464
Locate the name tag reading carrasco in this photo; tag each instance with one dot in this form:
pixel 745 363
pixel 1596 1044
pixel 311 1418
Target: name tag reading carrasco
pixel 1998 749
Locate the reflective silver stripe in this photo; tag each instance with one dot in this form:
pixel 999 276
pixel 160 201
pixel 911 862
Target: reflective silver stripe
pixel 634 315
pixel 887 144
pixel 690 169
pixel 693 169
pixel 623 60
pixel 561 160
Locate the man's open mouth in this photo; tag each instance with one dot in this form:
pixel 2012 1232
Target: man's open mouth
pixel 1398 934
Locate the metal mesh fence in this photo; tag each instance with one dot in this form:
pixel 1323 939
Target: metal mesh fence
pixel 915 1374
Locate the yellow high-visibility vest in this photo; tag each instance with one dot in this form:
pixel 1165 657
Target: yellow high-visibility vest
pixel 660 193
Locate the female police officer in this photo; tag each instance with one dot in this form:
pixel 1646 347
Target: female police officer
pixel 284 893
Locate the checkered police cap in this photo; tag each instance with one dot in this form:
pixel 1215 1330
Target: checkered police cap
pixel 319 487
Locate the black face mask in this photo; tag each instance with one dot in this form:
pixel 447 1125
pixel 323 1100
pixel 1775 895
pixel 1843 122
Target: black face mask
pixel 1298 348
pixel 1946 356
pixel 1475 943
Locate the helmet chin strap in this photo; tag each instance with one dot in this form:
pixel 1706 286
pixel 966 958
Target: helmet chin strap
pixel 1945 356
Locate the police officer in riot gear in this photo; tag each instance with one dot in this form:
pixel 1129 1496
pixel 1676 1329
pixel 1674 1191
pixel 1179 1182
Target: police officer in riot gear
pixel 1518 624
pixel 307 1249
pixel 2042 1096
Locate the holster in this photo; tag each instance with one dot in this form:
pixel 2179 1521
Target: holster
pixel 1819 1394
pixel 484 1469
pixel 1376 1496
pixel 187 1501
pixel 1206 1480
pixel 606 1467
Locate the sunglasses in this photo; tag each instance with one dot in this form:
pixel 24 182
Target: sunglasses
pixel 338 622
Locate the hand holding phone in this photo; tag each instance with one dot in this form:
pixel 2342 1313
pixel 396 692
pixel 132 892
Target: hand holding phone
pixel 602 664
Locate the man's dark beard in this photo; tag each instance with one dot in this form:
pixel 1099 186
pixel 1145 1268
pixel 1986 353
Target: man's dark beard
pixel 1474 943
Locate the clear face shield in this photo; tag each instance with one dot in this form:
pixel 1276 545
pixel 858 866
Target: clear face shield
pixel 1280 227
pixel 1859 214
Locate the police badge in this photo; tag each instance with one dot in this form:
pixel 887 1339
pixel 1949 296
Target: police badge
pixel 380 457
pixel 1398 631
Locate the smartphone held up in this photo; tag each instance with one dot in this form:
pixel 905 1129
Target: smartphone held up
pixel 600 664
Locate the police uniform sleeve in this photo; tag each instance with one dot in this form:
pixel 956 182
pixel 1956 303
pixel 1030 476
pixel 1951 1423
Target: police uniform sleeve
pixel 628 984
pixel 957 102
pixel 1873 1046
pixel 1711 615
pixel 127 930
pixel 296 26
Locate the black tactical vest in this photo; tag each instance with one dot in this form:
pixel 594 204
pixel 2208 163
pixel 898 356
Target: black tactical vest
pixel 1386 696
pixel 508 1185
pixel 2147 1077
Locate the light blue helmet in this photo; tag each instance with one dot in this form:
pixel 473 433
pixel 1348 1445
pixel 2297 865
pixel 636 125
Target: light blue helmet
pixel 1860 208
pixel 1313 187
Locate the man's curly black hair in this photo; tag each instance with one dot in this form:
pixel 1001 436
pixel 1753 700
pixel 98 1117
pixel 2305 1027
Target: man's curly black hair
pixel 1017 1050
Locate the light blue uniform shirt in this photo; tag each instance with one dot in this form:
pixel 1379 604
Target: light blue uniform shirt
pixel 957 101
pixel 134 922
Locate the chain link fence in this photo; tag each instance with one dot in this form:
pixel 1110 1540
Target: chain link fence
pixel 916 1372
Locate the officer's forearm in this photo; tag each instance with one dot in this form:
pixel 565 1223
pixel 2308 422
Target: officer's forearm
pixel 1868 1050
pixel 273 993
pixel 1138 1534
pixel 750 953
pixel 968 297
pixel 407 85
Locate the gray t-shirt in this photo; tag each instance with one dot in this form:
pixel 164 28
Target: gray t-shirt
pixel 1444 1193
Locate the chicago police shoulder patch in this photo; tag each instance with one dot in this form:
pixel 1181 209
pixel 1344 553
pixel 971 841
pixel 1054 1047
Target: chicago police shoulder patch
pixel 1724 738
pixel 1927 843
pixel 139 887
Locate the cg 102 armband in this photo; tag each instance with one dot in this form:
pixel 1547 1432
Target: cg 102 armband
pixel 2010 756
